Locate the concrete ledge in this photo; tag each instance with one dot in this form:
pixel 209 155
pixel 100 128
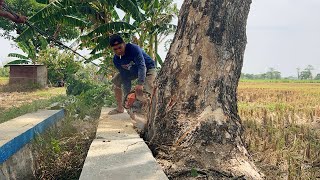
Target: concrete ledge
pixel 19 131
pixel 119 153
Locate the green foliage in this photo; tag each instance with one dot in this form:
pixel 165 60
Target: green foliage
pixel 101 19
pixel 26 8
pixel 271 74
pixel 20 56
pixel 156 25
pixel 279 81
pixel 194 172
pixel 79 15
pixel 91 23
pixel 77 85
pixel 306 73
pixel 28 48
pixel 60 65
pixel 317 77
pixel 106 67
pixel 55 146
pixel 89 102
pixel 18 61
pixel 90 93
pixel 103 31
pixel 61 151
pixel 54 20
pixel 4 72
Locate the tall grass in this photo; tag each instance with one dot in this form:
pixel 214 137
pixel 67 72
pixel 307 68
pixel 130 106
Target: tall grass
pixel 60 152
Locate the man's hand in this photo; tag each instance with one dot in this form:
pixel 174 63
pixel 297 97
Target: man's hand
pixel 139 92
pixel 139 88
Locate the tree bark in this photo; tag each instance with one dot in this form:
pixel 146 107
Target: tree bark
pixel 193 124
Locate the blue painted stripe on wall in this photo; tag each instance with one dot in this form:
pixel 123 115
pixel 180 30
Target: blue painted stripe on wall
pixel 13 146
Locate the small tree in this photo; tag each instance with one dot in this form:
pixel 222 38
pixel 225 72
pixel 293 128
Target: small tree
pixel 298 71
pixel 273 74
pixel 4 72
pixel 60 65
pixel 306 73
pixel 317 77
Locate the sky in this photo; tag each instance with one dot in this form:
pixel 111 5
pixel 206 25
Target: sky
pixel 282 34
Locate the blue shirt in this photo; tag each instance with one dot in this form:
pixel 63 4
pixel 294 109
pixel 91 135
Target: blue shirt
pixel 134 63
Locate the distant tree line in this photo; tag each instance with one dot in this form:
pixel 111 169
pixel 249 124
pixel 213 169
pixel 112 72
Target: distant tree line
pixel 270 74
pixel 305 74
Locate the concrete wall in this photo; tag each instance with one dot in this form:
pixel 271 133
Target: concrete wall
pixel 42 75
pixel 20 166
pixel 24 74
pixel 16 148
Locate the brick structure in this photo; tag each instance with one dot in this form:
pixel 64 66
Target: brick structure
pixel 25 73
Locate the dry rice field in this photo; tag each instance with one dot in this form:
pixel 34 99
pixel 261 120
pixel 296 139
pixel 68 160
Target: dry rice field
pixel 282 127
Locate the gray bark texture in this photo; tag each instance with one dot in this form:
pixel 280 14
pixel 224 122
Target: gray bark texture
pixel 193 125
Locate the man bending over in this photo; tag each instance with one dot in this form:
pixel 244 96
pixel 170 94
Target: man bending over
pixel 132 63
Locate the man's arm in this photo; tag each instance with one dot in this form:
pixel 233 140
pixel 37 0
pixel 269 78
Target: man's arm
pixel 140 62
pixel 19 19
pixel 124 76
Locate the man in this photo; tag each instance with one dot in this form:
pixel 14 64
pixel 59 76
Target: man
pixel 8 15
pixel 132 63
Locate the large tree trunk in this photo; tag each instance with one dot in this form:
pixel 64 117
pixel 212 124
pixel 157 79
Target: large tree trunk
pixel 194 123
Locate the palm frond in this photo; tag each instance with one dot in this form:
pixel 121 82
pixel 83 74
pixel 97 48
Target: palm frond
pixel 75 43
pixel 43 1
pixel 159 60
pixel 17 55
pixel 167 29
pixel 18 61
pixel 111 28
pixel 46 12
pixel 130 7
pixel 43 42
pixel 96 56
pixel 101 45
pixel 26 34
pixel 74 21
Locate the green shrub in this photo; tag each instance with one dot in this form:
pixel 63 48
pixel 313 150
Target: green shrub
pixel 60 65
pixel 4 72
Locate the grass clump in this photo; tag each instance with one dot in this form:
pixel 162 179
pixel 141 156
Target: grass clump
pixel 61 151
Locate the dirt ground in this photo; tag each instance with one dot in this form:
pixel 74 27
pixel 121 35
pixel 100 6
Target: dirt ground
pixel 16 99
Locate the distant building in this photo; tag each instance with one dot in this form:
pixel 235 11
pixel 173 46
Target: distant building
pixel 28 73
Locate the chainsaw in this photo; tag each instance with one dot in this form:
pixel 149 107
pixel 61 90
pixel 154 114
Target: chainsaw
pixel 137 105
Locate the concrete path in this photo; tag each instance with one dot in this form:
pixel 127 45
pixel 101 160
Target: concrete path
pixel 119 153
